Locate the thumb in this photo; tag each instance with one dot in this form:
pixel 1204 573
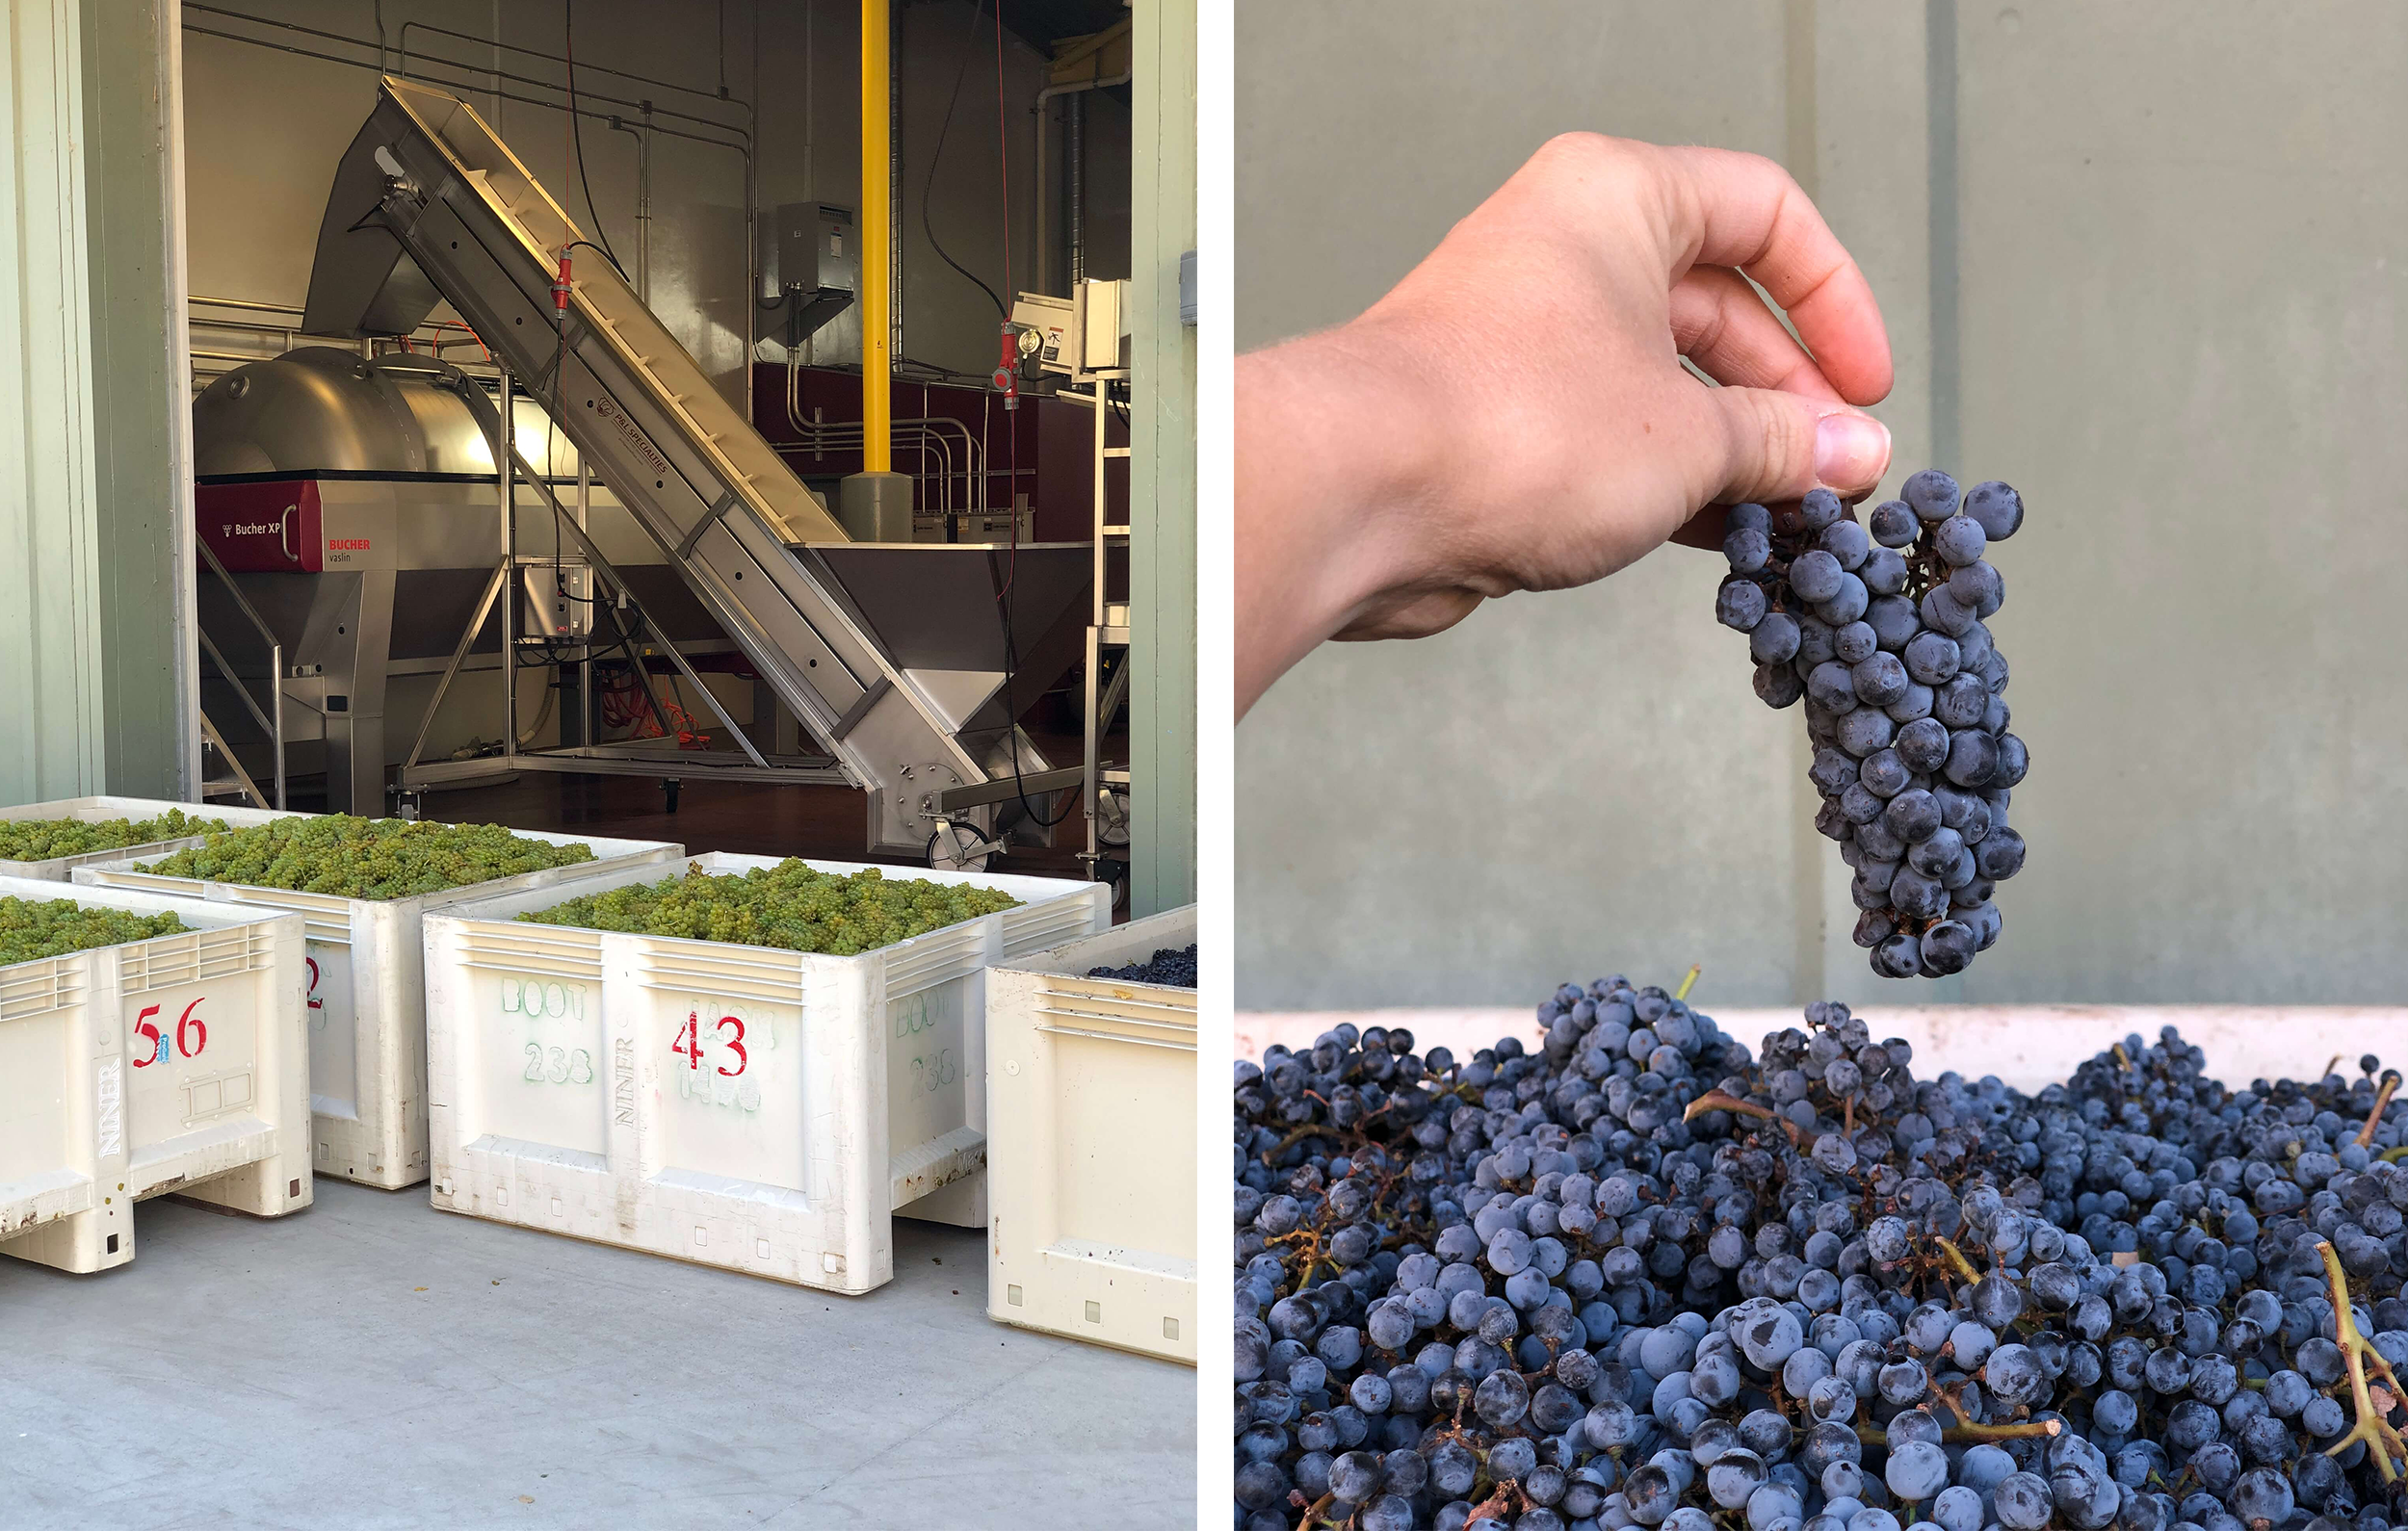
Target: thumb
pixel 1778 445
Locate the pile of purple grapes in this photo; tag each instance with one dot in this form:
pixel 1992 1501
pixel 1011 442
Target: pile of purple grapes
pixel 1173 966
pixel 1877 626
pixel 1636 1276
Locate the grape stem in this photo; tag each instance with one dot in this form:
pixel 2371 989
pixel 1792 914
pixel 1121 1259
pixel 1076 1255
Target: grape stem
pixel 1967 1430
pixel 1694 969
pixel 2381 1438
pixel 1725 1100
pixel 1292 1139
pixel 1964 1267
pixel 1311 1510
pixel 2375 1118
pixel 1496 1507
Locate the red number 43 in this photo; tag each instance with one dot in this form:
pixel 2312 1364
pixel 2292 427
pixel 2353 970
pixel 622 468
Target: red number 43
pixel 689 1043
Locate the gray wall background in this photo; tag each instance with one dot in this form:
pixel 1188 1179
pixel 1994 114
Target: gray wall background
pixel 2145 262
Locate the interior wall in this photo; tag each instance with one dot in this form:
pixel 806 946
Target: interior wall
pixel 265 129
pixel 2142 263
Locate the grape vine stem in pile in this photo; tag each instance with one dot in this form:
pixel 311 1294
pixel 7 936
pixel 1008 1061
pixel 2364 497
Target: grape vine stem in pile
pixel 2383 1441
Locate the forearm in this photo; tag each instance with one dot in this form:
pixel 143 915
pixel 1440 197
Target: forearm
pixel 1336 458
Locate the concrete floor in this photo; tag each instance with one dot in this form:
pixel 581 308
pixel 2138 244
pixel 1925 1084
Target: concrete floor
pixel 373 1362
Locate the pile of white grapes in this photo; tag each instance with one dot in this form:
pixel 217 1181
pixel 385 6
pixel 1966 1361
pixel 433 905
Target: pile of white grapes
pixel 366 857
pixel 1639 1277
pixel 41 839
pixel 53 927
pixel 792 905
pixel 1877 627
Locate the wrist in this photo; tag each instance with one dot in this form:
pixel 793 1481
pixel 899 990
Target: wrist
pixel 1342 444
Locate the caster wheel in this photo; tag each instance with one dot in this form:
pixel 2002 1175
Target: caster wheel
pixel 955 847
pixel 1112 820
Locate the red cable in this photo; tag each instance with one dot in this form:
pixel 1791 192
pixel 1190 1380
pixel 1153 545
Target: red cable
pixel 1003 143
pixel 1002 151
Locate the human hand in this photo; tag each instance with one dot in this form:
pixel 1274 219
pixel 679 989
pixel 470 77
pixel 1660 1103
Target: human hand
pixel 1514 414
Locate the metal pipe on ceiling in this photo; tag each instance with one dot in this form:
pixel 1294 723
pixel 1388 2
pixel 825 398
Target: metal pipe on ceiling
pixel 743 148
pixel 1044 99
pixel 744 107
pixel 644 208
pixel 1074 183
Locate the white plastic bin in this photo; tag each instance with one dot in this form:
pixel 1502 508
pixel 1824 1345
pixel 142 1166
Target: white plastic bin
pixel 367 998
pixel 174 1064
pixel 1090 1092
pixel 749 1107
pixel 100 809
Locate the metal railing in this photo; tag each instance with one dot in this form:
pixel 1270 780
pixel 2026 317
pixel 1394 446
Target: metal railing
pixel 272 720
pixel 279 330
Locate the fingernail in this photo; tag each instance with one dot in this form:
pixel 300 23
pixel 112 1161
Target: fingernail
pixel 1851 451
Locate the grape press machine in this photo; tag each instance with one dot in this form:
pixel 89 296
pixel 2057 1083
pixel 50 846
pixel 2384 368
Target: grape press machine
pixel 891 657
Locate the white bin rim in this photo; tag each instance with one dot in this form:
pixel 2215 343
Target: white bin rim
pixel 506 907
pixel 99 807
pixel 1134 942
pixel 603 847
pixel 102 807
pixel 196 913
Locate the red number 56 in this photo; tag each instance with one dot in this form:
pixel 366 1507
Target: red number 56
pixel 192 1034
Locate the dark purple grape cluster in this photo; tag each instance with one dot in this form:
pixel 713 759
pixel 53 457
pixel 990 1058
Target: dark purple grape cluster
pixel 1878 628
pixel 1639 1277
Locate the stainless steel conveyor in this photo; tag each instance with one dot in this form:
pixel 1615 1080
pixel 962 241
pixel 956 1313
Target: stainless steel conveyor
pixel 430 206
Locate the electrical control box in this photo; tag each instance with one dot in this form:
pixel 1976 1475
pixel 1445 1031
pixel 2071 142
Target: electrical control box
pixel 817 250
pixel 819 269
pixel 558 600
pixel 1075 336
pixel 1102 326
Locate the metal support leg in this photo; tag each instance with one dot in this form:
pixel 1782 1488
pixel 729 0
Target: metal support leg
pixel 1091 781
pixel 505 455
pixel 250 788
pixel 459 654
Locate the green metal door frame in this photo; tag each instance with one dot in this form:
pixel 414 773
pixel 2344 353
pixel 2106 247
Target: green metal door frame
pixel 1162 483
pixel 96 578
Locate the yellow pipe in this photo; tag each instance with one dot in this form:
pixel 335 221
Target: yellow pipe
pixel 878 401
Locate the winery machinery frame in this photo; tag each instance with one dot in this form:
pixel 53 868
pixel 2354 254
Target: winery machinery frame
pixel 892 656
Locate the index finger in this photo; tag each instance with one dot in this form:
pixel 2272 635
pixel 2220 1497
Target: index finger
pixel 1724 208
